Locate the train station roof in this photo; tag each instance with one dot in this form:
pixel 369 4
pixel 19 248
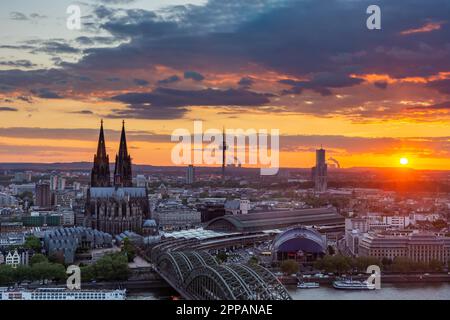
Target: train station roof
pixel 276 219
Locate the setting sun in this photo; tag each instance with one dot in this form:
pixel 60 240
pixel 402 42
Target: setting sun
pixel 404 161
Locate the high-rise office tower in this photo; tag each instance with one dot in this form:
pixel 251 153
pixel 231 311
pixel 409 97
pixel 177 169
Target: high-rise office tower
pixel 43 195
pixel 319 172
pixel 190 174
pixel 53 182
pixel 61 183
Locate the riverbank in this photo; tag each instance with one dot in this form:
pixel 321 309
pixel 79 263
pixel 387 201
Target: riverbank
pixel 385 278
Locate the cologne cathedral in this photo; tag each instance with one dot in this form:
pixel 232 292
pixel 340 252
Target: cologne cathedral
pixel 114 205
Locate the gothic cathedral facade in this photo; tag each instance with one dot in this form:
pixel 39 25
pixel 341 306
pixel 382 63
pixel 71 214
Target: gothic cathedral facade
pixel 114 205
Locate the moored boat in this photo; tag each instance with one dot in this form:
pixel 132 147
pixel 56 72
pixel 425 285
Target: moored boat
pixel 353 285
pixel 308 285
pixel 60 294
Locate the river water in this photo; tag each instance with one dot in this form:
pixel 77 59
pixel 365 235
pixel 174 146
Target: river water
pixel 438 291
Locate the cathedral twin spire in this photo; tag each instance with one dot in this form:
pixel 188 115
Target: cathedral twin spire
pixel 122 170
pixel 100 176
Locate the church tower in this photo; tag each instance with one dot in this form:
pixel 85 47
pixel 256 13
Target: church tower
pixel 122 171
pixel 115 207
pixel 100 176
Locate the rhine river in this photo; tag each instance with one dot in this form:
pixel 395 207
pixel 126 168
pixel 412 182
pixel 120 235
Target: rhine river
pixel 409 291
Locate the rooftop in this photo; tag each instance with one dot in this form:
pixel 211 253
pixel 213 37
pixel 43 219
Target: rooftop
pixel 276 219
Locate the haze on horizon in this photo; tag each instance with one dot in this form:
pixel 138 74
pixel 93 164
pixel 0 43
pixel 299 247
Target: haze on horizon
pixel 309 68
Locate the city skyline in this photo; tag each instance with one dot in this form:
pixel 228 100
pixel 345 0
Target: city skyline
pixel 370 97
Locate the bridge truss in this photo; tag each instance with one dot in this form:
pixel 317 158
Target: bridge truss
pixel 197 275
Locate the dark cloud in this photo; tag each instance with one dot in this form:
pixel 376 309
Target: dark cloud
pixel 37 16
pixel 194 76
pixel 83 134
pixel 117 1
pixel 86 112
pixel 85 41
pixel 35 79
pixel 55 47
pixel 15 15
pixel 169 80
pixel 91 41
pixel 25 98
pixel 233 34
pixel 18 16
pixel 45 93
pixel 141 82
pixel 316 45
pixel 51 47
pixel 440 106
pixel 18 64
pixel 381 84
pixel 246 82
pixel 443 86
pixel 17 47
pixel 113 79
pixel 322 82
pixel 344 145
pixel 164 103
pixel 44 151
pixel 104 12
pixel 7 109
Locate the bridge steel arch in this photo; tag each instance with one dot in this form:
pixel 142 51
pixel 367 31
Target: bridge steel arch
pixel 197 275
pixel 178 264
pixel 234 282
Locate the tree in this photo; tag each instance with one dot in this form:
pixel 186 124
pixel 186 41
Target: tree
pixel 109 267
pixel 87 273
pixel 48 271
pixel 38 258
pixel 6 274
pixel 289 266
pixel 26 196
pixel 361 263
pixel 435 265
pixel 342 264
pixel 335 264
pixel 129 249
pixel 57 257
pixel 33 243
pixel 401 264
pixel 40 270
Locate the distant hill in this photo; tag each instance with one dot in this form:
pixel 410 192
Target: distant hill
pixel 87 166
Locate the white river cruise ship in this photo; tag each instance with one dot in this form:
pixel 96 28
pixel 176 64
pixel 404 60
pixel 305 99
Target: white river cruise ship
pixel 60 294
